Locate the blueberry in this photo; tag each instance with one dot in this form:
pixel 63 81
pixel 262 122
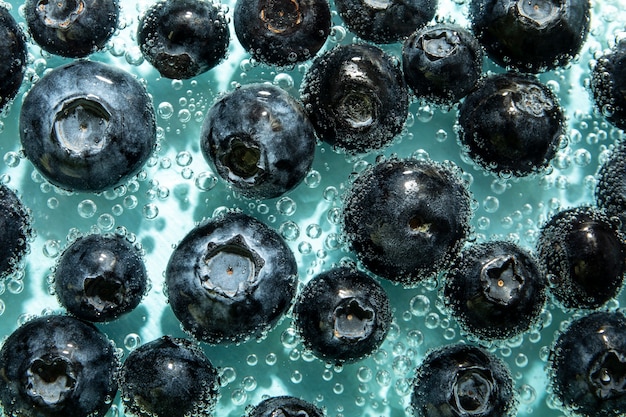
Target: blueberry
pixel 183 38
pixel 87 126
pixel 608 82
pixel 356 97
pixel 495 290
pixel 462 381
pixel 231 278
pixel 169 377
pixel 385 21
pixel 407 219
pixel 15 231
pixel 584 254
pixel 343 315
pixel 13 57
pixel 285 406
pixel 588 366
pixel 511 124
pixel 100 277
pixel 611 185
pixel 531 35
pixel 71 28
pixel 57 366
pixel 259 140
pixel 282 32
pixel 442 63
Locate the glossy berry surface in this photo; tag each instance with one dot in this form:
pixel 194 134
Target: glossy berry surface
pixel 343 315
pixel 15 231
pixel 183 39
pixel 462 380
pixel 356 97
pixel 169 377
pixel 57 366
pixel 100 277
pixel 588 366
pixel 584 255
pixel 611 185
pixel 385 21
pixel 259 140
pixel 495 290
pixel 13 57
pixel 511 124
pixel 442 63
pixel 72 28
pixel 608 82
pixel 531 36
pixel 406 219
pixel 87 126
pixel 230 279
pixel 282 32
pixel 286 406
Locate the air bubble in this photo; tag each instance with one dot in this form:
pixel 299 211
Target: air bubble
pixel 383 378
pixel 432 320
pixel 130 202
pixel 420 305
pixel 521 360
pixel 150 211
pixel 286 206
pixel 289 338
pixel 165 110
pixel 12 159
pixel 249 383
pixel 313 231
pixel 87 209
pixel 364 374
pixel 305 248
pixel 296 377
pixel 53 203
pixel 271 359
pixel 491 204
pixel 52 248
pixel 313 179
pixel 238 397
pixel 284 81
pixel 184 159
pixel 289 230
pixel 338 388
pixel 132 341
pixel 205 181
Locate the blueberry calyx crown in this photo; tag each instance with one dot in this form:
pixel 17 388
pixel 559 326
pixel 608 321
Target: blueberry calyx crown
pixel 472 390
pixel 59 14
pixel 502 280
pixel 244 159
pixel 50 379
pixel 540 13
pixel 279 16
pixel 80 126
pixel 439 44
pixel 353 320
pixel 607 374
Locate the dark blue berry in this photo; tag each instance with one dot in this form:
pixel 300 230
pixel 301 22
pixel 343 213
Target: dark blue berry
pixel 343 315
pixel 462 381
pixel 57 366
pixel 531 35
pixel 13 57
pixel 259 140
pixel 87 126
pixel 495 290
pixel 282 32
pixel 442 63
pixel 407 219
pixel 183 38
pixel 611 185
pixel 231 278
pixel 608 82
pixel 285 406
pixel 100 277
pixel 169 377
pixel 15 231
pixel 71 28
pixel 588 366
pixel 584 255
pixel 511 124
pixel 356 97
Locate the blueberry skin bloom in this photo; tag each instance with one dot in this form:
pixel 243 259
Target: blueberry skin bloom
pixel 531 36
pixel 385 21
pixel 169 377
pixel 15 231
pixel 608 82
pixel 100 277
pixel 57 366
pixel 462 381
pixel 588 366
pixel 611 186
pixel 356 97
pixel 183 38
pixel 343 315
pixel 495 290
pixel 584 255
pixel 511 124
pixel 13 57
pixel 442 63
pixel 230 279
pixel 407 219
pixel 71 28
pixel 285 405
pixel 259 140
pixel 87 126
pixel 282 32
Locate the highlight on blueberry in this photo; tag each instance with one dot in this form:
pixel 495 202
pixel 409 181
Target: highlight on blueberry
pixel 286 406
pixel 100 277
pixel 611 185
pixel 13 57
pixel 511 124
pixel 343 315
pixel 72 28
pixel 495 290
pixel 584 255
pixel 183 38
pixel 169 377
pixel 385 21
pixel 15 231
pixel 407 219
pixel 608 81
pixel 282 32
pixel 531 35
pixel 356 97
pixel 57 366
pixel 87 126
pixel 230 279
pixel 462 380
pixel 259 140
pixel 588 366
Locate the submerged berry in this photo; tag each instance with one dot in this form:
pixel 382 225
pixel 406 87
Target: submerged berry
pixel 13 57
pixel 15 231
pixel 285 406
pixel 608 82
pixel 611 186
